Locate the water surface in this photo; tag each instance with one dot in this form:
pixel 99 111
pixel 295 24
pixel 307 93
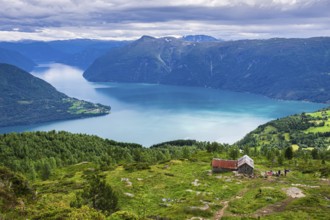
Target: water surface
pixel 149 114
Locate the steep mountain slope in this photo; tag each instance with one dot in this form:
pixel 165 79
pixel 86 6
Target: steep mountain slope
pixel 17 59
pixel 295 69
pixel 26 99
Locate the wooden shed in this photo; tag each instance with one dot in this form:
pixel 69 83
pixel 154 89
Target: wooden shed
pixel 245 165
pixel 220 165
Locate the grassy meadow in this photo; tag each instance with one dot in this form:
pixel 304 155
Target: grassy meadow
pixel 186 189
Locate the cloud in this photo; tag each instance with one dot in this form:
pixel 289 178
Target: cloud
pixel 131 18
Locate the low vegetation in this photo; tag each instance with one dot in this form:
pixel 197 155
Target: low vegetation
pixel 304 133
pixel 75 176
pixel 59 175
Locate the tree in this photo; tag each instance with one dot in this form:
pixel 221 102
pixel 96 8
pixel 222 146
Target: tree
pixel 46 171
pixel 233 153
pixel 315 153
pixel 100 195
pixel 246 150
pixel 288 153
pixel 280 159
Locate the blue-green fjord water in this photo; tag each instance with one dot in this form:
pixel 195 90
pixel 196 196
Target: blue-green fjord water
pixel 149 114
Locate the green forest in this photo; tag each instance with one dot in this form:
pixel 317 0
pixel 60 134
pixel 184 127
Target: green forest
pixel 60 175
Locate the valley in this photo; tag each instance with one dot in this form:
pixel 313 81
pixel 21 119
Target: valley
pixel 47 172
pixel 165 110
pixel 147 112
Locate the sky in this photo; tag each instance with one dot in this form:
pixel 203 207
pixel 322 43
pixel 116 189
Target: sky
pixel 130 19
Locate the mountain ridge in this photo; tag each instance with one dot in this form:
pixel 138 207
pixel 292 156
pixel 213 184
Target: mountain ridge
pixel 15 58
pixel 76 52
pixel 291 69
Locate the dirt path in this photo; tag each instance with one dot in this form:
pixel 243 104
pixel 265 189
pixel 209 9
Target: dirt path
pixel 277 207
pixel 219 214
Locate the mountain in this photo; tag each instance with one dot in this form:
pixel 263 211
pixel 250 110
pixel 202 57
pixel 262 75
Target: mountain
pixel 77 52
pixel 199 38
pixel 38 51
pixel 26 99
pixel 292 69
pixel 82 53
pixel 17 59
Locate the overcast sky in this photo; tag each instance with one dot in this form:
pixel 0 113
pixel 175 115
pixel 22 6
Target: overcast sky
pixel 130 19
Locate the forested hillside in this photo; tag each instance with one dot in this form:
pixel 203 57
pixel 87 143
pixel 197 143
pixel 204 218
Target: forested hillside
pixel 26 99
pixel 305 131
pixel 76 176
pixel 293 69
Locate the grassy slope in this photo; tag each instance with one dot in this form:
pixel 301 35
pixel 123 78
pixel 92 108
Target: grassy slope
pixel 167 190
pixel 284 130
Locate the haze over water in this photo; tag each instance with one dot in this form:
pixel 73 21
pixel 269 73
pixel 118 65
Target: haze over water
pixel 150 114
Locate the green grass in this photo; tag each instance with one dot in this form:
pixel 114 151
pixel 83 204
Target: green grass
pixel 170 190
pixel 320 116
pixel 256 198
pixel 295 147
pixel 79 107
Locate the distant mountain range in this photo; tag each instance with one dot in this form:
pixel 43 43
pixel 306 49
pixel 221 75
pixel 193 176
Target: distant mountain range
pixel 15 58
pixel 78 52
pixel 26 99
pixel 200 38
pixel 293 69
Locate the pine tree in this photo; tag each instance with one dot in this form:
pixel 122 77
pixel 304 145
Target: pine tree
pixel 100 195
pixel 289 153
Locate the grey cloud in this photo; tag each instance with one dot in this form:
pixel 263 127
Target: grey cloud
pixel 122 16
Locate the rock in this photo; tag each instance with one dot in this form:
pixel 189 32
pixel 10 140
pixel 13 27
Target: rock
pixel 303 185
pixel 195 183
pixel 129 195
pixel 202 208
pixel 294 192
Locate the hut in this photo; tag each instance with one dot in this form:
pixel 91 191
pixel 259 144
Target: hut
pixel 220 165
pixel 245 165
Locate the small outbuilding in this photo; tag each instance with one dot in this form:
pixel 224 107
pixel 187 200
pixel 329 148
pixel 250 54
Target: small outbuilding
pixel 220 165
pixel 243 165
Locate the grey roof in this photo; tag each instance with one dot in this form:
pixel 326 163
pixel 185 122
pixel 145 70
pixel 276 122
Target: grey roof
pixel 245 160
